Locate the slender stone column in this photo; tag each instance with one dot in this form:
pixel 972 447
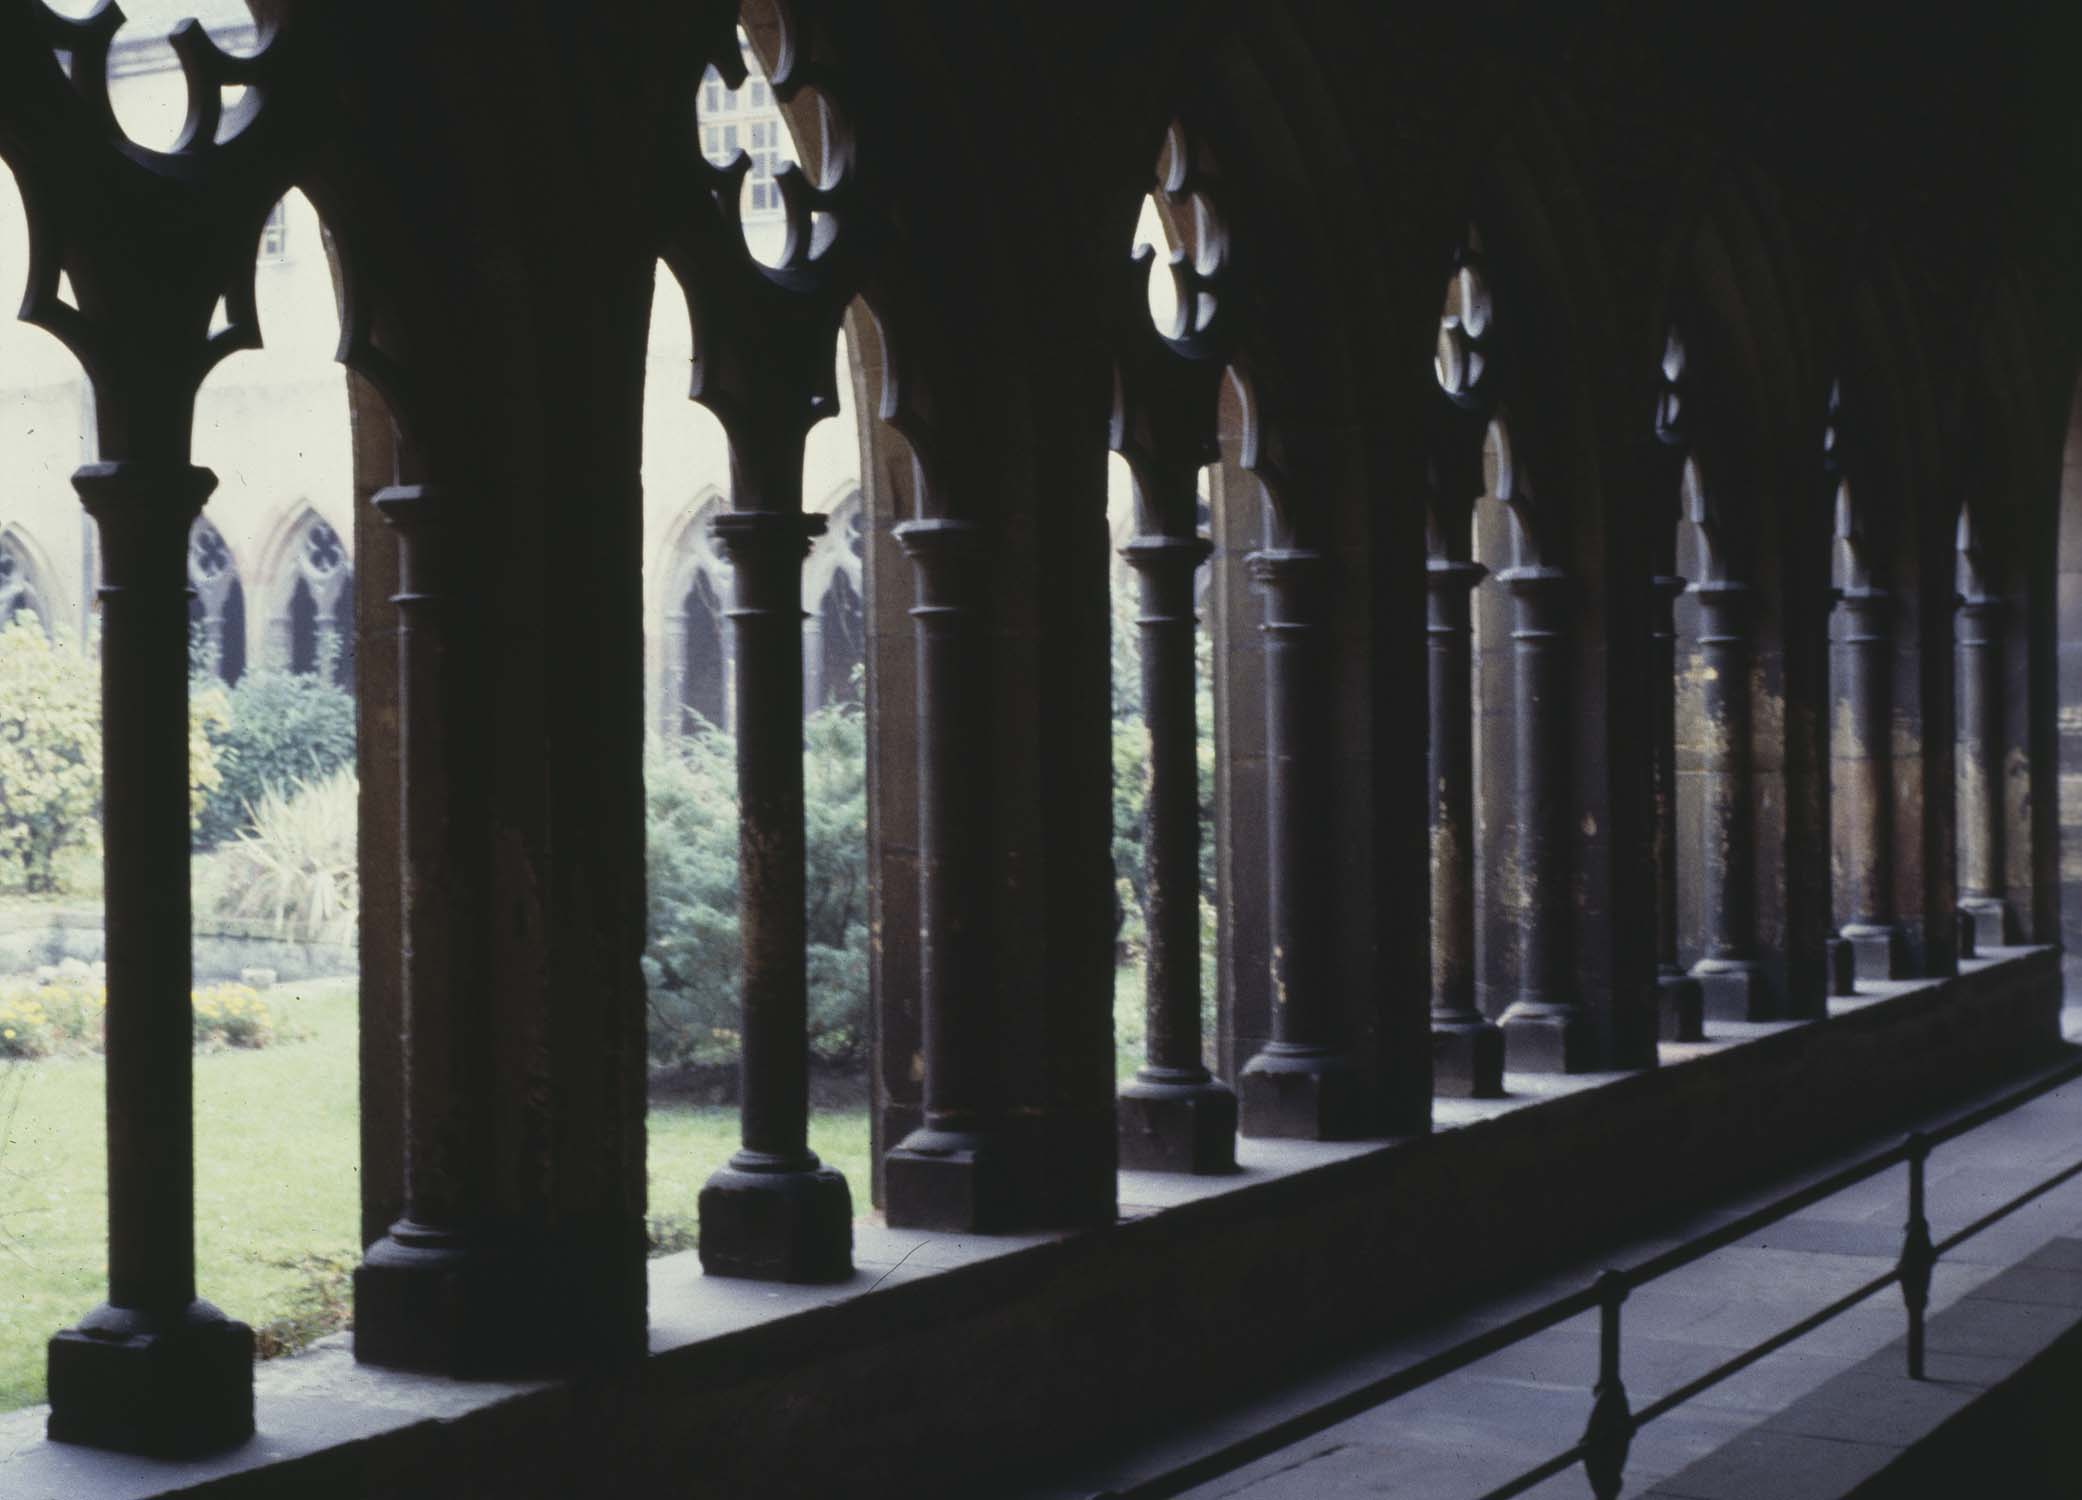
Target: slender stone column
pixel 955 1170
pixel 1301 1084
pixel 281 641
pixel 1981 776
pixel 672 696
pixel 151 1370
pixel 1680 1013
pixel 1862 745
pixel 1546 1029
pixel 1729 973
pixel 424 1294
pixel 1173 1116
pixel 774 1211
pixel 1467 1049
pixel 812 660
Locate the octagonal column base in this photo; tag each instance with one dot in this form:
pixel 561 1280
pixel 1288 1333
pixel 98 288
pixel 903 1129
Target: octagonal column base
pixel 166 1387
pixel 1186 1125
pixel 1733 989
pixel 1559 1041
pixel 1878 951
pixel 1467 1060
pixel 1991 922
pixel 786 1225
pixel 1680 1009
pixel 435 1300
pixel 956 1180
pixel 1842 958
pixel 1302 1093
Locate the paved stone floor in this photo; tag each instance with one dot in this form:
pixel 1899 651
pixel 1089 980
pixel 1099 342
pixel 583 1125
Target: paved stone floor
pixel 1491 1421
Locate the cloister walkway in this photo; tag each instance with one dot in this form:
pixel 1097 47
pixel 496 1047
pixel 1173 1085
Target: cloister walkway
pixel 1471 1431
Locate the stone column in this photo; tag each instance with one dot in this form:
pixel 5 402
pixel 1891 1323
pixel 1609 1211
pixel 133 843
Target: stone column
pixel 1302 1083
pixel 1862 748
pixel 1173 1116
pixel 955 1171
pixel 774 1211
pixel 1983 890
pixel 812 660
pixel 672 693
pixel 151 1370
pixel 1680 1015
pixel 1467 1050
pixel 281 641
pixel 1729 974
pixel 424 1294
pixel 1546 1029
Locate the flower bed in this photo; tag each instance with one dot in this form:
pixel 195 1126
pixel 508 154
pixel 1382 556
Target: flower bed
pixel 63 1011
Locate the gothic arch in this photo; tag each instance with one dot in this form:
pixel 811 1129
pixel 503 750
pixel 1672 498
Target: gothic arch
pixel 308 621
pixel 217 603
pixel 23 579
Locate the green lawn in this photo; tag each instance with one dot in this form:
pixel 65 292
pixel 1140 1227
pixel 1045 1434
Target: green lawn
pixel 276 1186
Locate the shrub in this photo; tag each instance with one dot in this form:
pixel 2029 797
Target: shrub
pixel 294 866
pixel 693 960
pixel 38 1020
pixel 279 727
pixel 50 753
pixel 231 1015
pixel 1131 783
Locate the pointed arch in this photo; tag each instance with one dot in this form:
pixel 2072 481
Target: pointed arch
pixel 24 579
pixel 216 603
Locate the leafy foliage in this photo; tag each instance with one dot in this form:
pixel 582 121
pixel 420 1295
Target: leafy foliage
pixel 294 866
pixel 39 1020
pixel 693 962
pixel 277 728
pixel 50 754
pixel 1131 781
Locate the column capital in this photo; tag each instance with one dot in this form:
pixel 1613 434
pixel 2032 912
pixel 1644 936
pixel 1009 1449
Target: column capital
pixel 1535 578
pixel 947 553
pixel 751 537
pixel 1444 575
pixel 1155 552
pixel 1278 567
pixel 131 490
pixel 1981 606
pixel 410 507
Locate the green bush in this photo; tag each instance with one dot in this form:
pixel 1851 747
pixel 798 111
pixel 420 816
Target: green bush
pixel 50 753
pixel 295 865
pixel 279 728
pixel 693 960
pixel 39 1020
pixel 1131 783
pixel 50 756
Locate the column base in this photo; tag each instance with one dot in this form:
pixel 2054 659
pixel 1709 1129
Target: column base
pixel 1842 959
pixel 788 1225
pixel 1551 1041
pixel 1964 932
pixel 1181 1126
pixel 1467 1060
pixel 431 1300
pixel 955 1180
pixel 1991 922
pixel 1680 1009
pixel 1302 1094
pixel 165 1387
pixel 1879 952
pixel 1733 990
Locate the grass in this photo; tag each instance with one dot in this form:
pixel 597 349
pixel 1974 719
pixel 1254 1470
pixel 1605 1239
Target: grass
pixel 276 1191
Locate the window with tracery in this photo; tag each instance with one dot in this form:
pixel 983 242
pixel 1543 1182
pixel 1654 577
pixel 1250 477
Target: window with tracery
pixel 321 607
pixel 217 605
pixel 19 594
